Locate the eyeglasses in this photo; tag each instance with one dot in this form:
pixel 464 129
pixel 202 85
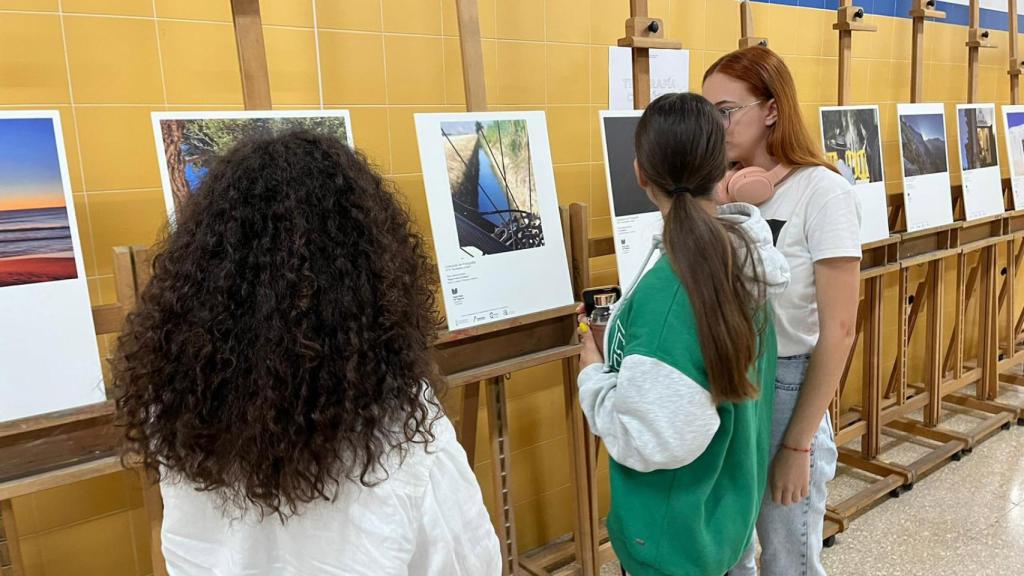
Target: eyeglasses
pixel 727 112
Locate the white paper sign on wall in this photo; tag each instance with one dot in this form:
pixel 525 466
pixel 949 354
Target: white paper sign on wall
pixel 670 72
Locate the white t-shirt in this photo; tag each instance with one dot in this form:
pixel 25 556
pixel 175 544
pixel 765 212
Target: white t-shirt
pixel 427 519
pixel 814 215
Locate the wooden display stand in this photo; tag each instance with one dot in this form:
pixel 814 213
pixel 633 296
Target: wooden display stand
pixel 1010 325
pixel 61 448
pixel 57 449
pixel 976 40
pixel 931 248
pixel 879 258
pixel 887 410
pixel 642 34
pixel 981 238
pixel 487 354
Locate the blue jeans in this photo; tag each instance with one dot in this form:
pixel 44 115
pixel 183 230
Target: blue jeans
pixel 791 536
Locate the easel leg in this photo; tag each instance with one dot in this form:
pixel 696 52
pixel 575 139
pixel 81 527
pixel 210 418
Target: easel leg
pixel 581 476
pixel 936 274
pixel 988 387
pixel 898 378
pixel 154 505
pixel 641 78
pixel 468 420
pixel 501 457
pixel 11 533
pixel 1008 298
pixel 872 367
pixel 954 359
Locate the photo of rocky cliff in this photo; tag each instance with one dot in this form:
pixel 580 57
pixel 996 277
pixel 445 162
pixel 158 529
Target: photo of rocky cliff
pixel 923 140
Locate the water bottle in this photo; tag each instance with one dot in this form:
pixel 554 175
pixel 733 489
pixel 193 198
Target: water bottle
pixel 600 317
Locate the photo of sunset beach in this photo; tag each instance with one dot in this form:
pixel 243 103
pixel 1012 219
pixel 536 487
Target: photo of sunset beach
pixel 35 235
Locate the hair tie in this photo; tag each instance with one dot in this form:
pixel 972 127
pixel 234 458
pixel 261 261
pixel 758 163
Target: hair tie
pixel 680 190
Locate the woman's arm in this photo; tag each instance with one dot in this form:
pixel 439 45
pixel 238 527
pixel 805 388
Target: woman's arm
pixel 649 415
pixel 838 287
pixel 837 281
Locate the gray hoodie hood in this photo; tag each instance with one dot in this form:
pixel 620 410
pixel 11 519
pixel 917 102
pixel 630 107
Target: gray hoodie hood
pixel 774 268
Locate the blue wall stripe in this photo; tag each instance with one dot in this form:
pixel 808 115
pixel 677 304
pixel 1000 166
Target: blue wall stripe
pixel 955 13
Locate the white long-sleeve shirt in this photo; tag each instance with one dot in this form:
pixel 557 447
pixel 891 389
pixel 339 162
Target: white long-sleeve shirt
pixel 426 519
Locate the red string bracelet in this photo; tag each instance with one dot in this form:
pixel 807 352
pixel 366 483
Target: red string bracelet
pixel 801 450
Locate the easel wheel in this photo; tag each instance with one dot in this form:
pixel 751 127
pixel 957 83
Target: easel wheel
pixel 897 492
pixel 829 542
pixel 958 456
pixel 1020 421
pixel 1007 426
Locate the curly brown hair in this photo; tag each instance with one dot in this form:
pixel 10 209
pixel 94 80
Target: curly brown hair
pixel 283 342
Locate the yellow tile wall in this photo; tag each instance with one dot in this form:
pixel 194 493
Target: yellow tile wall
pixel 106 64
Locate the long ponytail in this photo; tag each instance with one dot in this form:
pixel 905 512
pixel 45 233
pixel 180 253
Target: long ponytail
pixel 680 145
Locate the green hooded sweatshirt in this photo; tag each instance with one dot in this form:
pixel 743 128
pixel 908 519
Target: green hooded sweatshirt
pixel 687 476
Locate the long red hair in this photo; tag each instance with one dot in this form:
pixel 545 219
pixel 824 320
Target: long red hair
pixel 789 142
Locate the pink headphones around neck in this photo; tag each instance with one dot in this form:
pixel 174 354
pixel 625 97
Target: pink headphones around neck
pixel 751 185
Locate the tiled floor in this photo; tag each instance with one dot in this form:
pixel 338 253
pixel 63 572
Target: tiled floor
pixel 966 519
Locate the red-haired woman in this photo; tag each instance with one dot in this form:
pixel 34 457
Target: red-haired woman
pixel 815 218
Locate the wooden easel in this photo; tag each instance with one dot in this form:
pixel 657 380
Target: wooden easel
pixel 61 448
pixel 747 38
pixel 642 34
pixel 487 354
pixel 1009 325
pixel 981 237
pixel 1014 69
pixel 931 248
pixel 946 374
pixel 66 447
pixel 252 54
pixel 849 19
pixel 879 259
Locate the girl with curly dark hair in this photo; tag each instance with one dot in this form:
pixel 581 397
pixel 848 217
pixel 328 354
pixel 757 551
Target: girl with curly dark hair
pixel 274 377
